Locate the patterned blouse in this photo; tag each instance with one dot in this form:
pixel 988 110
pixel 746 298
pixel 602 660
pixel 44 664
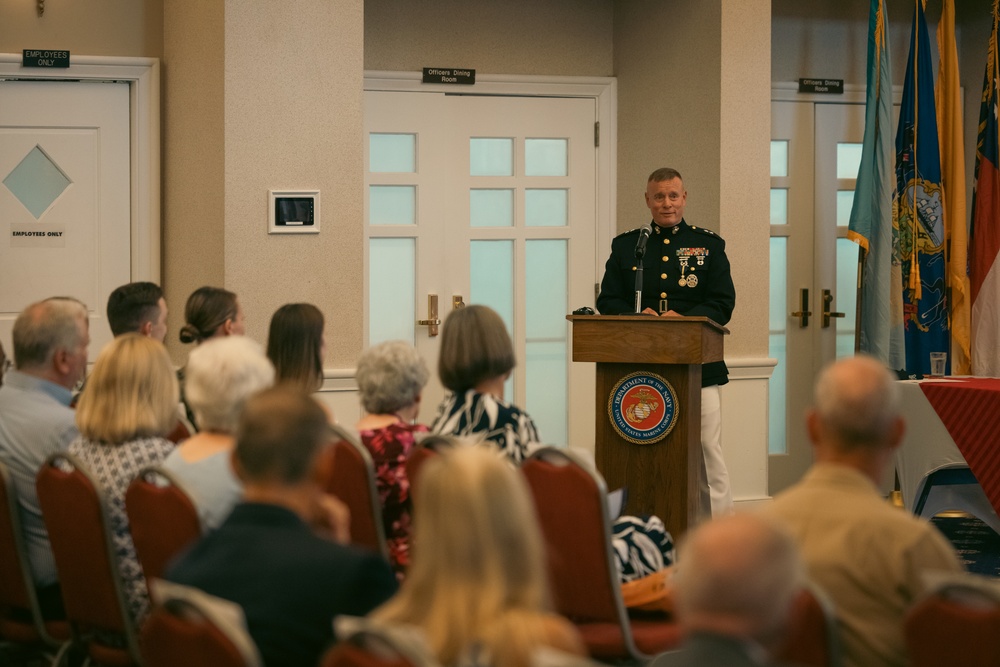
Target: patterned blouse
pixel 473 413
pixel 114 467
pixel 390 447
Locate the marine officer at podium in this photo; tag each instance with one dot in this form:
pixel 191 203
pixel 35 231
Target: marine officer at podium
pixel 685 272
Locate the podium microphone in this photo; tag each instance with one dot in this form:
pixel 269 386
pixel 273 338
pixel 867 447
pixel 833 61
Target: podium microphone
pixel 640 246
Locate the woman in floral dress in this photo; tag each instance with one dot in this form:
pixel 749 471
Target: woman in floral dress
pixel 390 378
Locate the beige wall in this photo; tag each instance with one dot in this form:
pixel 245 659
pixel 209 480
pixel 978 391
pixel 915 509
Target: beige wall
pixel 193 155
pixel 667 60
pixel 293 121
pixel 90 27
pixel 554 37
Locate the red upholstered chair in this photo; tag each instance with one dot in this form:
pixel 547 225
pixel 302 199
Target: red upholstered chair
pixel 812 636
pixel 186 632
pixel 571 501
pixel 352 480
pixel 361 644
pixel 426 448
pixel 21 619
pixel 75 515
pixel 957 624
pixel 162 518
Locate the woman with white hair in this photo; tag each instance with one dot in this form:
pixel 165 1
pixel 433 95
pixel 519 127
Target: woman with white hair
pixel 222 373
pixel 390 378
pixel 477 588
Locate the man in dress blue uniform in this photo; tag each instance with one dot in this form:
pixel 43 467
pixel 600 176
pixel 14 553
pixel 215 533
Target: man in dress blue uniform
pixel 685 272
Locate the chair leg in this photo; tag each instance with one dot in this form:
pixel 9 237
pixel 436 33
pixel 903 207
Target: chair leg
pixel 57 661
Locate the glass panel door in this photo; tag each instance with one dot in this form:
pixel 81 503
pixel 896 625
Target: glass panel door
pixel 496 207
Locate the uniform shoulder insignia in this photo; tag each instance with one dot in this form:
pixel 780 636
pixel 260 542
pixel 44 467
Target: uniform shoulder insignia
pixel 702 230
pixel 631 231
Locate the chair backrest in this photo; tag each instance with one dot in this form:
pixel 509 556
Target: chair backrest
pixel 162 517
pixel 428 445
pixel 352 480
pixel 76 518
pixel 954 625
pixel 813 639
pixel 183 632
pixel 570 500
pixel 17 587
pixel 363 643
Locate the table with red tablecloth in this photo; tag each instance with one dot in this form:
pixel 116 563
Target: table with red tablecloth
pixel 950 422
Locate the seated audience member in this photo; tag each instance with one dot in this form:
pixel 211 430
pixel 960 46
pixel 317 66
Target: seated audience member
pixel 221 375
pixel 210 312
pixel 50 355
pixel 390 377
pixel 129 406
pixel 734 587
pixel 476 586
pixel 296 347
pixel 475 360
pixel 865 553
pixel 140 308
pixel 267 556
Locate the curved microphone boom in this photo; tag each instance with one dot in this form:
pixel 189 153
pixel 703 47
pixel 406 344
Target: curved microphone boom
pixel 640 246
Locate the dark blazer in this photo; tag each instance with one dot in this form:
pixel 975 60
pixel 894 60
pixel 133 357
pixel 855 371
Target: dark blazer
pixel 289 581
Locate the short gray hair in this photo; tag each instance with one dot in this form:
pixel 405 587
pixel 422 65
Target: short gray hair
pixel 45 327
pixel 858 400
pixel 221 374
pixel 390 376
pixel 742 567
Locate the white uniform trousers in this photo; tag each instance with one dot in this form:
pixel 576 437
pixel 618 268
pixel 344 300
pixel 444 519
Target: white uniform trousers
pixel 716 473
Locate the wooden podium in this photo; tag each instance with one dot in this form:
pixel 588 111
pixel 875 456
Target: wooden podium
pixel 666 477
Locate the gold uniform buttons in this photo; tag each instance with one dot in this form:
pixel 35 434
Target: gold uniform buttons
pixel 664 258
pixel 666 241
pixel 663 295
pixel 663 275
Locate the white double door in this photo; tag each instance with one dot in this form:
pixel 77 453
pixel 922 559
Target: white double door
pixel 815 153
pixel 488 200
pixel 65 201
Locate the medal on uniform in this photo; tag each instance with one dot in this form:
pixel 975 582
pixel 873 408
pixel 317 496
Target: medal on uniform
pixel 692 280
pixel 684 265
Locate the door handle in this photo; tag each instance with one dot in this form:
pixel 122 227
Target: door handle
pixel 432 322
pixel 803 312
pixel 827 313
pixel 457 302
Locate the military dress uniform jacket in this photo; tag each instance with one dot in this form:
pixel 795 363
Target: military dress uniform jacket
pixel 684 265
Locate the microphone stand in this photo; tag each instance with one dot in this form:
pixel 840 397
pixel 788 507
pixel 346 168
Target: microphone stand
pixel 638 280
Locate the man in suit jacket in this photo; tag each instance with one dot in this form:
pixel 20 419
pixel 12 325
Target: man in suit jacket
pixel 275 555
pixel 736 580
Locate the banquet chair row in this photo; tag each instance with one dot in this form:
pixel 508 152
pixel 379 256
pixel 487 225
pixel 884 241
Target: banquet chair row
pixel 570 499
pixel 956 623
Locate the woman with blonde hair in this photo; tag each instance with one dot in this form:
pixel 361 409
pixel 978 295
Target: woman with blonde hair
pixel 476 586
pixel 126 409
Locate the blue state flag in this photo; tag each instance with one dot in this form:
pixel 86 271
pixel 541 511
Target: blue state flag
pixel 880 323
pixel 918 211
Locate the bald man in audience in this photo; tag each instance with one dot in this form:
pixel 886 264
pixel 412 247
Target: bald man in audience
pixel 867 555
pixel 277 554
pixel 138 307
pixel 735 582
pixel 50 356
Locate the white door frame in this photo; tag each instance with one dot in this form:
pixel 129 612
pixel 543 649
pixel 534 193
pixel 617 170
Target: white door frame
pixel 602 89
pixel 143 77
